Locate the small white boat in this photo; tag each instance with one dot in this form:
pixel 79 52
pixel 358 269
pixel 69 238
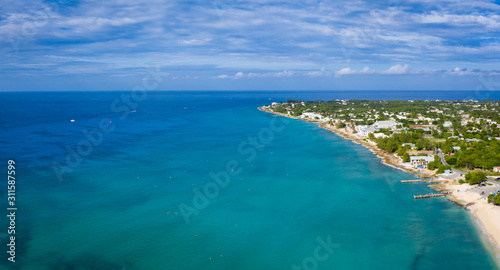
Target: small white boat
pixel 72 120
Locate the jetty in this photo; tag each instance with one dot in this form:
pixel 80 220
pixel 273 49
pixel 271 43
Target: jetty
pixel 431 195
pixel 411 181
pixel 435 180
pixel 425 180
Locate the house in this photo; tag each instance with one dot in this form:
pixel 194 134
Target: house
pixel 496 169
pixel 364 130
pixel 447 124
pixel 457 148
pixel 420 160
pixel 424 128
pixel 385 124
pixel 380 135
pixel 412 146
pixel 311 115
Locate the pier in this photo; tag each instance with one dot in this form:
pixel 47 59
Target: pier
pixel 411 181
pixel 435 181
pixel 431 195
pixel 425 180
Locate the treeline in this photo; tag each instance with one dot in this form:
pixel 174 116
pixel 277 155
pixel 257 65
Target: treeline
pixel 393 143
pixel 479 155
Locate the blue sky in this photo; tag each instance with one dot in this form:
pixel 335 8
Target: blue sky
pixel 249 45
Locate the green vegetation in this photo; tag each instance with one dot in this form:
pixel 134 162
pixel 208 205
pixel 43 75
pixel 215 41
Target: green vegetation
pixel 443 168
pixel 431 166
pixel 475 177
pixel 393 143
pixel 495 199
pixel 406 157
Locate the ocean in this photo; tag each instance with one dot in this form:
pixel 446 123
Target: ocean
pixel 204 180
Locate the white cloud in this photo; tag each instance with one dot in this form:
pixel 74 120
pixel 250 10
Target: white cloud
pixel 319 73
pixel 238 75
pixel 492 21
pixel 241 75
pixel 345 71
pixel 397 70
pixel 195 41
pixel 349 71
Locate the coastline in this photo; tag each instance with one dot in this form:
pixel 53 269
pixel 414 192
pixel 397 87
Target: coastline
pixel 486 215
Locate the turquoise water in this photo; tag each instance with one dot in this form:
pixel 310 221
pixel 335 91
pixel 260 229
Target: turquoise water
pixel 295 188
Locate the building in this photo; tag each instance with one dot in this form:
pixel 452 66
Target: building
pixel 457 148
pixel 311 115
pixel 412 146
pixel 380 135
pixel 424 128
pixel 496 169
pixel 447 124
pixel 385 124
pixel 420 160
pixel 364 130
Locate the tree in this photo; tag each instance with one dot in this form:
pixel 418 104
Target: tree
pixel 437 160
pixel 451 160
pixel 406 157
pixel 497 200
pixel 491 198
pixel 442 168
pixel 475 177
pixel 340 125
pixel 431 166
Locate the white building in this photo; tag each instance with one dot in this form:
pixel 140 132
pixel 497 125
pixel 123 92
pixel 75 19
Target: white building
pixel 311 115
pixel 380 135
pixel 412 146
pixel 364 129
pixel 420 160
pixel 385 124
pixel 447 124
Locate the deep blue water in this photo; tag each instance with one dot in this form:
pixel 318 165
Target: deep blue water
pixel 118 204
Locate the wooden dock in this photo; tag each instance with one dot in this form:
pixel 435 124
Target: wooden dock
pixel 435 181
pixel 411 181
pixel 431 195
pixel 424 180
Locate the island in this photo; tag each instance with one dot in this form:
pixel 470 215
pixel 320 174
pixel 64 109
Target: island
pixel 453 145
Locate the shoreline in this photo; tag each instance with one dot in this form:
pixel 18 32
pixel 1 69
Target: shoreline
pixel 485 215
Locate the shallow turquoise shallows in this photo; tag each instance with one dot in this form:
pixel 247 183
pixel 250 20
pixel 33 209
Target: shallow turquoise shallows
pixel 204 180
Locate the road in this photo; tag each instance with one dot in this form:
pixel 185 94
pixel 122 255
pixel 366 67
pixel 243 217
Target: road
pixel 456 172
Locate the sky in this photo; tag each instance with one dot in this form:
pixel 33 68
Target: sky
pixel 249 45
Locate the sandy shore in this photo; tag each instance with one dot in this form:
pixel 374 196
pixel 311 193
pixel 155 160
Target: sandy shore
pixel 487 215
